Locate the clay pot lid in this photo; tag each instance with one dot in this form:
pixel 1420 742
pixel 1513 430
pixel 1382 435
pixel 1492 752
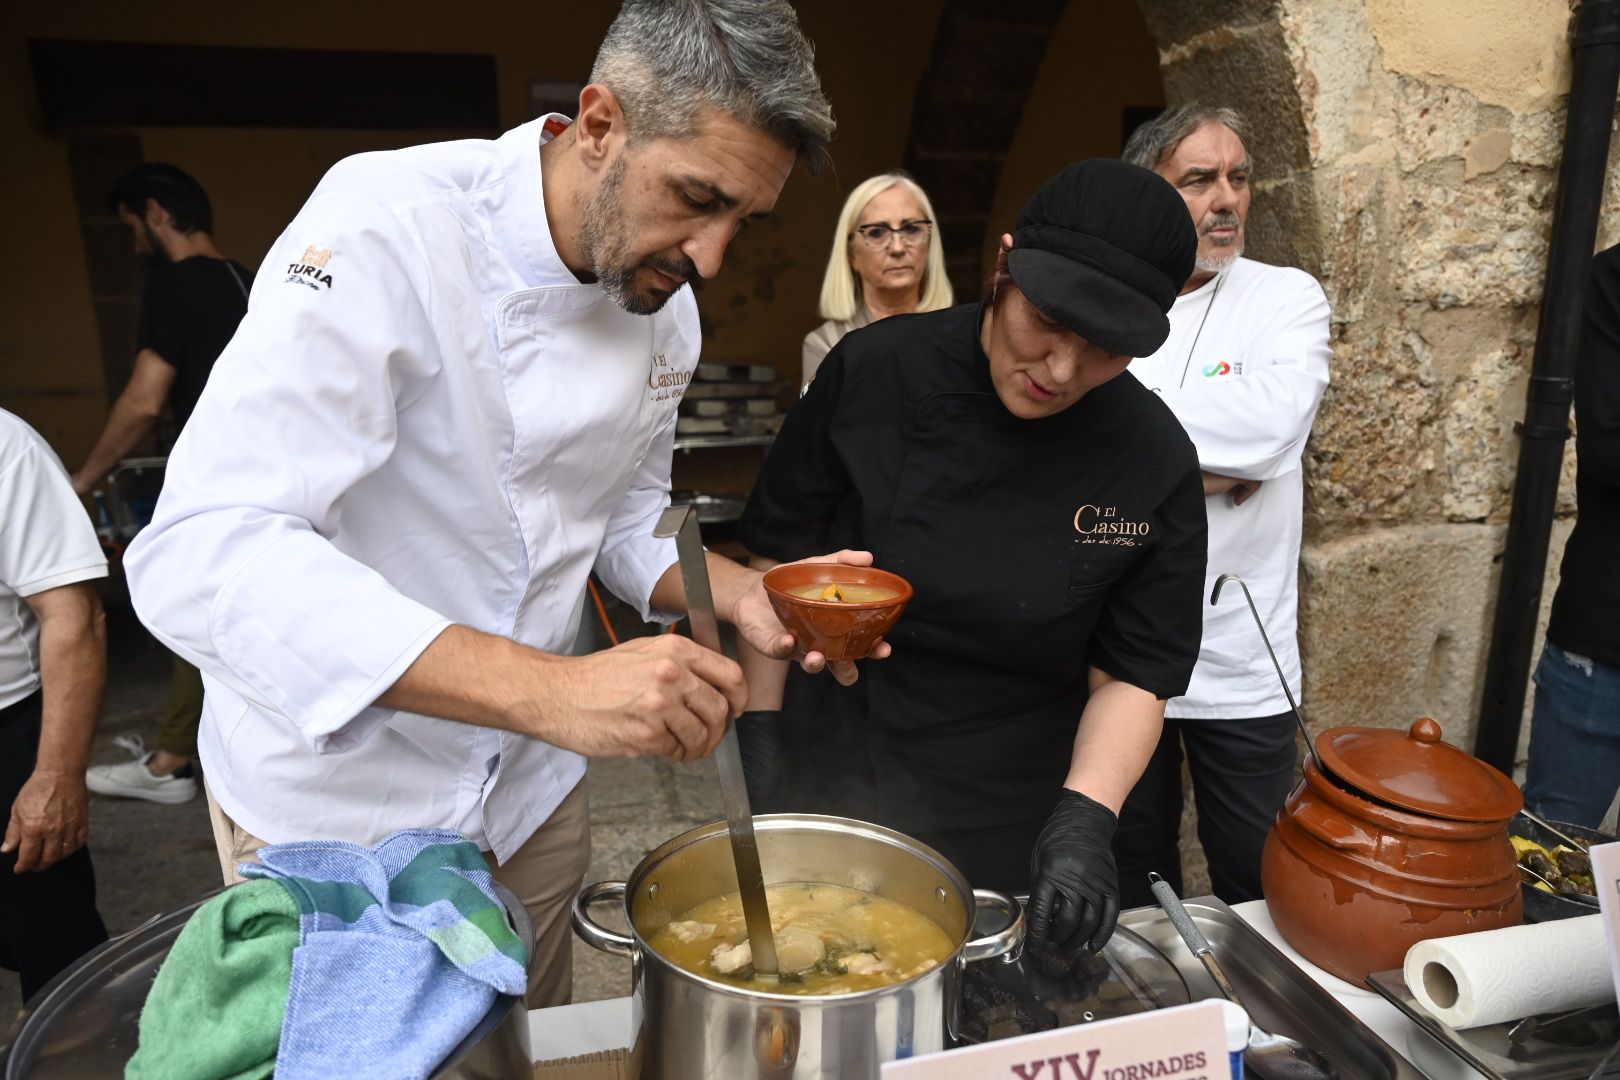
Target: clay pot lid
pixel 1415 771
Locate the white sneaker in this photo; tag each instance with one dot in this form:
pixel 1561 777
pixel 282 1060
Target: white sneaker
pixel 133 780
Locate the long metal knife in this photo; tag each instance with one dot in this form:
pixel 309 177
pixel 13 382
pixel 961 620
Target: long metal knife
pixel 681 522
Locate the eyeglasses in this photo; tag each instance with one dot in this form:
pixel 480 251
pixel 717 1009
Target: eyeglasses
pixel 911 233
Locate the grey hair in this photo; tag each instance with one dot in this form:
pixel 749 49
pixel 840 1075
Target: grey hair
pixel 1157 139
pixel 665 60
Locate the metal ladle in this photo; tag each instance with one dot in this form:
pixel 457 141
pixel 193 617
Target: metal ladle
pixel 1293 706
pixel 681 522
pixel 1268 1056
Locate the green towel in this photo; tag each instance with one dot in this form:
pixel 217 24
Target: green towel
pixel 215 1009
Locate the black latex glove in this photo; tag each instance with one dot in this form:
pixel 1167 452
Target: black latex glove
pixel 1074 888
pixel 756 739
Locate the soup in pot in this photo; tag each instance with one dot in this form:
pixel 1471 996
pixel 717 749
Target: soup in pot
pixel 829 940
pixel 844 594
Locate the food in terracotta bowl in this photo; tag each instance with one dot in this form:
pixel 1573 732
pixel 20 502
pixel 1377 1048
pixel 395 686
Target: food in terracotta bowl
pixel 837 610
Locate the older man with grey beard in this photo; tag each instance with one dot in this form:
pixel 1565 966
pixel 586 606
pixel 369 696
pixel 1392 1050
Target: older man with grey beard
pixel 452 399
pixel 1244 369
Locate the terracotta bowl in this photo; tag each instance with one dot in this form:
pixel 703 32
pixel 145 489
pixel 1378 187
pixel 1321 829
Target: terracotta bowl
pixel 1352 884
pixel 839 631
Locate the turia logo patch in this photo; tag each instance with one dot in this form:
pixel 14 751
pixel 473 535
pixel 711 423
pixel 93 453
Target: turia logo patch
pixel 310 268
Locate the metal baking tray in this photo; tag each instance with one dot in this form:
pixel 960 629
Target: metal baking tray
pixel 1280 997
pixel 1570 1052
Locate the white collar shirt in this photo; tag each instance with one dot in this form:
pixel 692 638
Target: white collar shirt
pixel 424 419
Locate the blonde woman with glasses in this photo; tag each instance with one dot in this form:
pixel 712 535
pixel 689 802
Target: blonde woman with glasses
pixel 886 260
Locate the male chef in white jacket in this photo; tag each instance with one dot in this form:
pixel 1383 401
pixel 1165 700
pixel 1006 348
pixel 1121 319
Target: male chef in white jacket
pixel 1244 369
pixel 453 397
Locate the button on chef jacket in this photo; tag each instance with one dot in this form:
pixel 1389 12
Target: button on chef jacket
pixel 424 418
pixel 1037 549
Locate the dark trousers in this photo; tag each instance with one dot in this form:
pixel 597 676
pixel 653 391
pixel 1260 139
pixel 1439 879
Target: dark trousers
pixel 1242 770
pixel 48 918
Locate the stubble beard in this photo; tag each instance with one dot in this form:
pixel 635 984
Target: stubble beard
pixel 607 245
pixel 1224 255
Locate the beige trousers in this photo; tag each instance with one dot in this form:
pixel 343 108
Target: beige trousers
pixel 544 873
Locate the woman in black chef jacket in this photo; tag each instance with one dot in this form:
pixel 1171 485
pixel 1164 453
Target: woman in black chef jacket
pixel 1047 509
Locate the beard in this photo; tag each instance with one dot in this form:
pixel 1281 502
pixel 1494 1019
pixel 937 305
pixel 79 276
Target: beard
pixel 1223 255
pixel 605 235
pixel 147 246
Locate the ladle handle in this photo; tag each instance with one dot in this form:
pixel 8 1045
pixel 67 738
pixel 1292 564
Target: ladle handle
pixel 1293 706
pixel 1194 937
pixel 681 523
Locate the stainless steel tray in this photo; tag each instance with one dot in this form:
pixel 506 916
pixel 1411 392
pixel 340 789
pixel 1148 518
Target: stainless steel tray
pixel 1280 997
pixel 1570 1054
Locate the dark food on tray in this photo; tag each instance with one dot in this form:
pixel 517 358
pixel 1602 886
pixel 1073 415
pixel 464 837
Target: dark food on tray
pixel 829 940
pixel 1042 991
pixel 1562 869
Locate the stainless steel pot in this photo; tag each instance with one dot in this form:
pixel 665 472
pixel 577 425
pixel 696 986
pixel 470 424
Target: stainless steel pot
pixel 83 1022
pixel 693 1027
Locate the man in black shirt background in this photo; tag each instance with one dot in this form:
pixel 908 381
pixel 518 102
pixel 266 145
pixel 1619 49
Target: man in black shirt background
pixel 1575 729
pixel 194 299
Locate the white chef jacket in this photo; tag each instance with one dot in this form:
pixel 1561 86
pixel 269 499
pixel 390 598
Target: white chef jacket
pixel 46 542
pixel 424 418
pixel 1244 370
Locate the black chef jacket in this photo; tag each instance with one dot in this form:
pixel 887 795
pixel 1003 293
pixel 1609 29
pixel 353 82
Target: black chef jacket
pixel 1037 549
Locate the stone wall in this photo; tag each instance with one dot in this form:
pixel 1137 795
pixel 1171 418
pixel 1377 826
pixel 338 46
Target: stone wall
pixel 1406 153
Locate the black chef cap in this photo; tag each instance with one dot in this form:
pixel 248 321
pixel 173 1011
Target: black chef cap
pixel 1104 247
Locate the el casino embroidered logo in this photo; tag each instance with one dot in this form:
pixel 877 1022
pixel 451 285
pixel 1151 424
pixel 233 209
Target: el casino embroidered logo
pixel 665 383
pixel 1105 525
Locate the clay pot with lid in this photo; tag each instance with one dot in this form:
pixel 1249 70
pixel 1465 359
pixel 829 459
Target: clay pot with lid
pixel 1391 838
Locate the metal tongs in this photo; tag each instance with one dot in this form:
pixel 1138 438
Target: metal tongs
pixel 1269 1056
pixel 1293 706
pixel 681 522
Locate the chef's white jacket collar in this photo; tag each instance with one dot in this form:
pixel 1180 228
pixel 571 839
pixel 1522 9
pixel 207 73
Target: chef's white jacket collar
pixel 523 213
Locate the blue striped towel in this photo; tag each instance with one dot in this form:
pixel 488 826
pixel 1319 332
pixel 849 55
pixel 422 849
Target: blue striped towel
pixel 403 949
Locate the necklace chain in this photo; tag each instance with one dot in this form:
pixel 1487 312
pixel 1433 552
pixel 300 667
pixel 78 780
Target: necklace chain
pixel 1186 363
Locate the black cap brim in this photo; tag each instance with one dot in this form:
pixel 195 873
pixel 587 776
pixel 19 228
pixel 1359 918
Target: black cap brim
pixel 1104 310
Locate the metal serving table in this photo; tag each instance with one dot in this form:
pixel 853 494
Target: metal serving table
pixel 1280 995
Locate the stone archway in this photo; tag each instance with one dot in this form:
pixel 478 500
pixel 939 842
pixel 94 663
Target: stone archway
pixel 1236 53
pixel 985 59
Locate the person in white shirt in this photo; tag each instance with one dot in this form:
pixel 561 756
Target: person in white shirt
pixel 53 669
pixel 1244 370
pixel 453 397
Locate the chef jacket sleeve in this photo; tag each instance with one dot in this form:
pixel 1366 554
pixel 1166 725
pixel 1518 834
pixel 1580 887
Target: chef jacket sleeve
pixel 236 572
pixel 1151 624
pixel 803 481
pixel 1254 425
pixel 632 559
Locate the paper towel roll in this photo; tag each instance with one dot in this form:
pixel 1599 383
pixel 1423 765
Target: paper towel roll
pixel 1475 979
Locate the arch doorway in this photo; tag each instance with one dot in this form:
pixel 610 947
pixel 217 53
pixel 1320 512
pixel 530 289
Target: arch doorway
pixel 1014 91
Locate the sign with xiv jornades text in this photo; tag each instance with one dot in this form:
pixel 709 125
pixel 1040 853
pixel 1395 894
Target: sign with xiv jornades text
pixel 1186 1042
